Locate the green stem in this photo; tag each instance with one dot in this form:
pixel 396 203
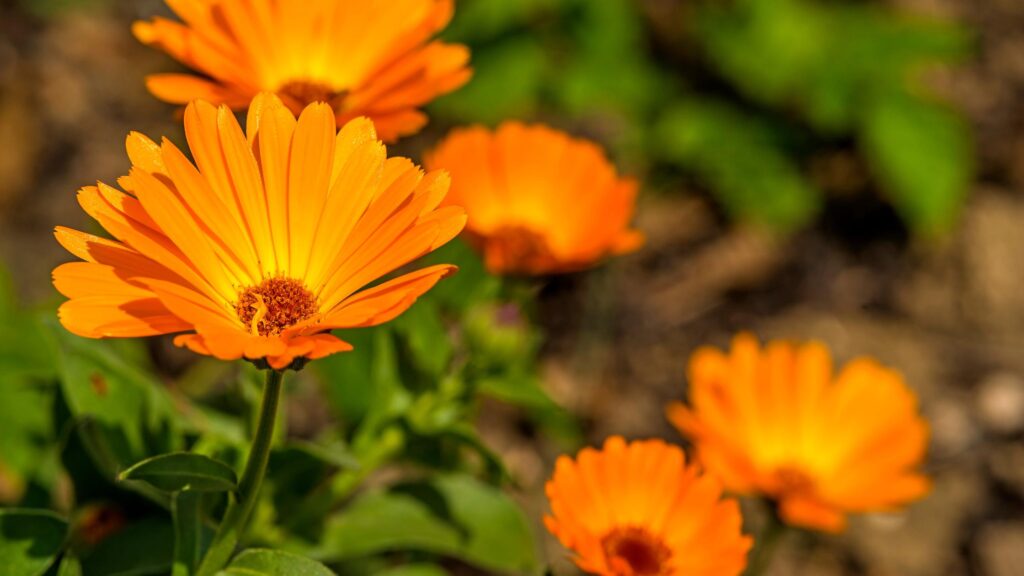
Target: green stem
pixel 767 541
pixel 241 505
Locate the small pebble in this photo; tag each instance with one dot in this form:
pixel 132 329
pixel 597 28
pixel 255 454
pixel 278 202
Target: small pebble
pixel 1000 403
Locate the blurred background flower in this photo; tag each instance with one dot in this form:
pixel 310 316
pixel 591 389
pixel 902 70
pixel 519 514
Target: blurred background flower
pixel 780 423
pixel 538 200
pixel 371 59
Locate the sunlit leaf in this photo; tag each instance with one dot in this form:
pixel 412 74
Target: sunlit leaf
pixel 454 516
pixel 29 541
pixel 70 566
pixel 274 563
pixel 922 155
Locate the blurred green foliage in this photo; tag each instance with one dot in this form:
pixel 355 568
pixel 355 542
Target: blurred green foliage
pixel 739 95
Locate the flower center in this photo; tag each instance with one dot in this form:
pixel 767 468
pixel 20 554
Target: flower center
pixel 792 480
pixel 298 94
pixel 275 304
pixel 517 248
pixel 634 551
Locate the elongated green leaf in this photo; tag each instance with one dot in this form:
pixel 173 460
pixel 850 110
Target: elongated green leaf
pixel 29 541
pixel 183 471
pixel 274 563
pixel 455 516
pixel 188 533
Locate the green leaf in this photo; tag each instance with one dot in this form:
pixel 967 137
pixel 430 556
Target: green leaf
pixel 519 390
pixel 424 335
pixel 183 471
pixel 29 541
pixel 23 347
pixel 360 385
pixel 415 570
pixel 610 69
pixel 738 156
pixel 455 516
pixel 471 285
pixel 128 414
pixel 70 566
pixel 143 548
pixel 922 154
pixel 477 20
pixel 525 390
pixel 188 533
pixel 274 563
pixel 26 426
pixel 508 81
pixel 336 454
pixel 826 58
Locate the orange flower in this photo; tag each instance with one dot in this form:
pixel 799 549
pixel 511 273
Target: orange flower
pixel 371 59
pixel 774 422
pixel 638 510
pixel 539 201
pixel 263 248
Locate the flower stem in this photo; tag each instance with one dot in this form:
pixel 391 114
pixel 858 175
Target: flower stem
pixel 242 503
pixel 767 541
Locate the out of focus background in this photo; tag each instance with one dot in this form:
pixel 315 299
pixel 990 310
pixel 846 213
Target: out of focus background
pixel 847 171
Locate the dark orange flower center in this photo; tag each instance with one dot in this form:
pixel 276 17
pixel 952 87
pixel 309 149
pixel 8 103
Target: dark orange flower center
pixel 298 94
pixel 792 480
pixel 633 551
pixel 275 304
pixel 517 248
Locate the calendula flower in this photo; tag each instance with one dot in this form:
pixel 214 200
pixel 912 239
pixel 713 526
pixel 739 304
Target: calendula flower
pixel 539 201
pixel 638 510
pixel 776 422
pixel 363 58
pixel 261 247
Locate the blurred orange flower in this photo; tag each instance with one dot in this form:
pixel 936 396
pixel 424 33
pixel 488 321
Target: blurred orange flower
pixel 371 59
pixel 264 247
pixel 638 510
pixel 775 422
pixel 539 202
